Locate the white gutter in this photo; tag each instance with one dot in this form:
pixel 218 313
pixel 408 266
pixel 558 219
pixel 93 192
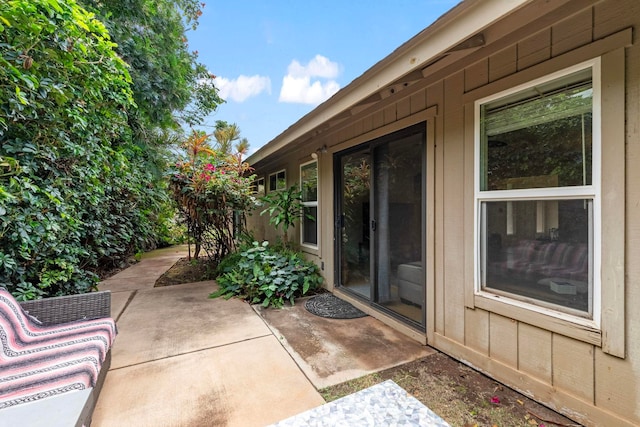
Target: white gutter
pixel 464 20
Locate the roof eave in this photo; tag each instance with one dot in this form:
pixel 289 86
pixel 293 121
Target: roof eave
pixel 459 23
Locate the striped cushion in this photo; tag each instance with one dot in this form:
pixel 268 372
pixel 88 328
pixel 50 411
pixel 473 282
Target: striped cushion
pixel 40 361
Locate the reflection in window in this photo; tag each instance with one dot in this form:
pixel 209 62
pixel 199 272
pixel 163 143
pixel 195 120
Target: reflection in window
pixel 552 265
pixel 309 186
pixel 536 244
pixel 278 181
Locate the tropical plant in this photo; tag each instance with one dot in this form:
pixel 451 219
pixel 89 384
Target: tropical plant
pixel 284 208
pixel 260 274
pixel 212 191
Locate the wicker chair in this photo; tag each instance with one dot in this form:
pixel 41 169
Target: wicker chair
pixel 67 409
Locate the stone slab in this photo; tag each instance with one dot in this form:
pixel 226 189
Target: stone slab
pixel 172 320
pixel 384 404
pixel 243 384
pixel 332 351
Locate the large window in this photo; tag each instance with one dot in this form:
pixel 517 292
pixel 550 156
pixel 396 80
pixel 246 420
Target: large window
pixel 309 186
pixel 537 195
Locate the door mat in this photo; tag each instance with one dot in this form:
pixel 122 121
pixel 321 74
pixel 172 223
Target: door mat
pixel 330 306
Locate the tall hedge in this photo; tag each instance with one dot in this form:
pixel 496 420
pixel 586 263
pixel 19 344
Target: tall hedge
pixel 72 189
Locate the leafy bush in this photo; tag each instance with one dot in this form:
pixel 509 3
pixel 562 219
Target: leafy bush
pixel 212 189
pixel 82 155
pixel 284 208
pixel 260 274
pixel 71 190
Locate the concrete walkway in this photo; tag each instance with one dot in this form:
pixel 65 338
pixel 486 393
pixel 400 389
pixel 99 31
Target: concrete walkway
pixel 182 359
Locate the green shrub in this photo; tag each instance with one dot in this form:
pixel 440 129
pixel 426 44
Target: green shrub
pixel 210 189
pixel 260 274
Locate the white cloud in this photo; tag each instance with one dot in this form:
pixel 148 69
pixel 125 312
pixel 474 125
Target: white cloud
pixel 243 87
pixel 299 85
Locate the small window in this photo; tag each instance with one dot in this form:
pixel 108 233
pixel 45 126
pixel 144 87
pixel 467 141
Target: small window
pixel 309 186
pixel 258 187
pixel 536 199
pixel 278 181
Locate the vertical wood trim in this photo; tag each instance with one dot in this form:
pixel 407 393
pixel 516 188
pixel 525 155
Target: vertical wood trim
pixel 613 203
pixel 435 95
pixel 327 223
pixel 469 171
pixel 453 200
pixel 430 262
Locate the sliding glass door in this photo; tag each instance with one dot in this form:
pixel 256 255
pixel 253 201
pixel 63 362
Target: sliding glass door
pixel 355 244
pixel 380 222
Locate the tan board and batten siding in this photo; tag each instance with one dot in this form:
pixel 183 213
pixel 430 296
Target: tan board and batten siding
pixel 593 376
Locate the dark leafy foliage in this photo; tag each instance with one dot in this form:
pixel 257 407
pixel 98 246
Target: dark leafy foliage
pixel 75 190
pixel 64 97
pixel 170 86
pixel 261 274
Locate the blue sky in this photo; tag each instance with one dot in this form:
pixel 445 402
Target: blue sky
pixel 276 60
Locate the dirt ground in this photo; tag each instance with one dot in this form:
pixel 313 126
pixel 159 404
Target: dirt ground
pixel 185 271
pixel 461 395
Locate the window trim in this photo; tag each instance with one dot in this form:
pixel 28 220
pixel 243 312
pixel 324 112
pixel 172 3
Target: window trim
pixel 257 186
pixel 499 303
pixel 311 204
pixel 282 171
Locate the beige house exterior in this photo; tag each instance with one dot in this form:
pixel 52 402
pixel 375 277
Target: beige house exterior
pixel 477 189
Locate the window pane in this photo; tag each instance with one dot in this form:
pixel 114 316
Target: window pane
pixel 282 181
pixel 309 178
pixel 310 226
pixel 539 250
pixel 540 141
pixel 258 186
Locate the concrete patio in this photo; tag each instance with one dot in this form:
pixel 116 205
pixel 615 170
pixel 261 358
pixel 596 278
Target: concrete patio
pixel 182 359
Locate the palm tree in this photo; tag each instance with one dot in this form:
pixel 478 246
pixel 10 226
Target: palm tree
pixel 225 134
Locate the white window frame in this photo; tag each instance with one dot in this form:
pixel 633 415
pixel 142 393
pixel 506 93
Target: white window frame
pixel 284 172
pixel 592 192
pixel 311 204
pixel 260 182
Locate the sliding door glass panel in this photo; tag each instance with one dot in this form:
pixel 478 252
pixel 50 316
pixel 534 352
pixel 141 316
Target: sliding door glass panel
pixel 355 262
pixel 397 226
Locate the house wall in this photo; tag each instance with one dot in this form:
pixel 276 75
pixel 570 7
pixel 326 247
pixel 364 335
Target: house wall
pixel 259 224
pixel 590 375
